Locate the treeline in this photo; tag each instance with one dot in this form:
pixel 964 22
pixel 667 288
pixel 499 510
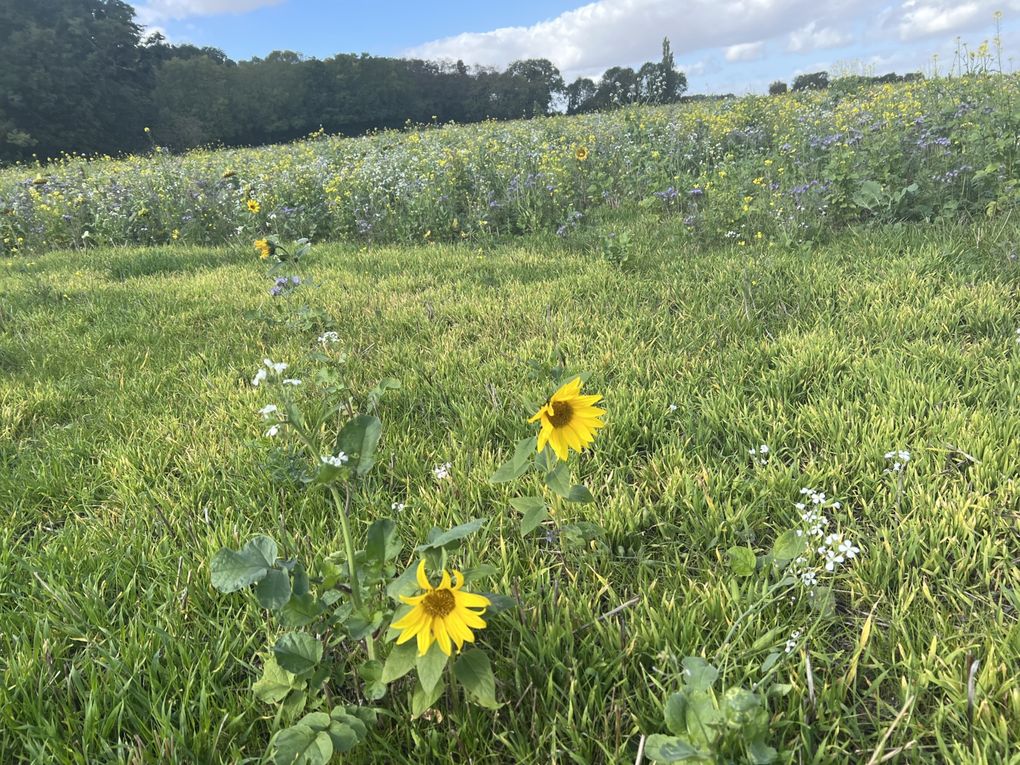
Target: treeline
pixel 78 76
pixel 848 83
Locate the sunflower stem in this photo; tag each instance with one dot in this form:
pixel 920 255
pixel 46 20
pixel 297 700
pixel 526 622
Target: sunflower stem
pixel 343 506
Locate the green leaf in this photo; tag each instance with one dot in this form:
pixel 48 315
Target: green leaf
pixel 534 511
pixel 371 673
pixel 661 748
pixel 518 464
pixel 699 675
pixel 294 704
pixel 676 709
pixel 558 479
pixel 273 591
pixel 742 560
pixel 315 720
pixel 301 610
pixel 790 545
pixel 400 661
pixel 383 543
pixel 231 570
pixel 740 706
pixel 275 683
pixel 455 534
pixel 360 625
pixel 343 736
pixel 298 652
pixel 430 667
pixel 703 719
pixel 770 661
pixel 300 745
pixel 579 493
pixel 760 753
pixel 422 699
pixel 474 672
pixel 405 584
pixel 358 440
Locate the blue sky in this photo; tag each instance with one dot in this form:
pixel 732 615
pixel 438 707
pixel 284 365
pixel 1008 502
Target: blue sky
pixel 723 45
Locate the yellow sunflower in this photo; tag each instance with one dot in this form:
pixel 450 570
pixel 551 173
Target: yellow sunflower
pixel 264 248
pixel 581 154
pixel 444 614
pixel 254 206
pixel 569 420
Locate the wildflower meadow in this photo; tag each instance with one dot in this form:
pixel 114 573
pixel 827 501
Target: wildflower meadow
pixel 673 434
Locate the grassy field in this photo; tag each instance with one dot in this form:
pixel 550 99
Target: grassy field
pixel 131 450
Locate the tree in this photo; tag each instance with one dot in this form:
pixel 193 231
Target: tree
pixel 661 83
pixel 531 87
pixel 580 95
pixel 618 87
pixel 777 88
pixel 812 81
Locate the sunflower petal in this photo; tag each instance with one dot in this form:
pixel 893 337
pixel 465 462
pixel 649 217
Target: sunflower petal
pixel 442 636
pixel 472 600
pixel 423 581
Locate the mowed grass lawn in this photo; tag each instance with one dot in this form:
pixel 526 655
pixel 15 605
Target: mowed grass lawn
pixel 131 450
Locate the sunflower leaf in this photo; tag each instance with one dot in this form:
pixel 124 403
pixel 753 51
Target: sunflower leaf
pixel 534 511
pixel 517 465
pixel 474 672
pixel 558 479
pixel 421 699
pixel 400 661
pixel 298 652
pixel 430 667
pixel 455 534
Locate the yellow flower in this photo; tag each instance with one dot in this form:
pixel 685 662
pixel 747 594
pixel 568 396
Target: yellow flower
pixel 264 247
pixel 254 206
pixel 581 154
pixel 442 614
pixel 569 420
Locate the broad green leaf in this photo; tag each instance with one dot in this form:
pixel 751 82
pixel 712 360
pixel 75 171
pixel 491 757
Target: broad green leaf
pixel 343 736
pixel 518 464
pixel 455 534
pixel 300 611
pixel 742 560
pixel 360 625
pixel 294 704
pixel 275 683
pixel 405 584
pixel 770 661
pixel 534 511
pixel 699 675
pixel 676 709
pixel 473 670
pixel 400 661
pixel 661 748
pixel 790 545
pixel 383 543
pixel 300 745
pixel 740 706
pixel 298 652
pixel 315 720
pixel 558 479
pixel 760 753
pixel 354 723
pixel 579 493
pixel 371 674
pixel 703 719
pixel 358 440
pixel 234 570
pixel 422 700
pixel 430 667
pixel 273 591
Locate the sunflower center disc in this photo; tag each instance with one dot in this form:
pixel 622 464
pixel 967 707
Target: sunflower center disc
pixel 562 412
pixel 438 603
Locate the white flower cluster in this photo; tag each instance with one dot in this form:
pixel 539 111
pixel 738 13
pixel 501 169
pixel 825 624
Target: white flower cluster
pixel 329 337
pixel 263 373
pixel 760 455
pixel 336 460
pixel 792 642
pixel 898 460
pixel 397 507
pixel 442 472
pixel 832 549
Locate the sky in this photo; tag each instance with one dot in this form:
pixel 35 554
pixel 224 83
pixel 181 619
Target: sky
pixel 724 46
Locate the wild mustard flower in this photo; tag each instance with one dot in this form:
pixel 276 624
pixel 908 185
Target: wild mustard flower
pixel 569 420
pixel 444 614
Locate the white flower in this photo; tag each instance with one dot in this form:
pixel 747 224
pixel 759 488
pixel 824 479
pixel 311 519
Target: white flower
pixel 273 430
pixel 764 448
pixel 792 642
pixel 259 377
pixel 291 381
pixel 337 460
pixel 818 498
pixel 442 471
pixel 268 411
pixel 673 407
pixel 397 507
pixel 809 578
pixel 329 337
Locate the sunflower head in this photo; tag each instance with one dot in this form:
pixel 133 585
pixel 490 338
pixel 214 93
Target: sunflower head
pixel 445 614
pixel 265 248
pixel 581 154
pixel 568 419
pixel 253 206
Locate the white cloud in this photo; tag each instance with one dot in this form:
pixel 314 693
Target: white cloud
pixel 812 37
pixel 926 18
pixel 156 11
pixel 745 51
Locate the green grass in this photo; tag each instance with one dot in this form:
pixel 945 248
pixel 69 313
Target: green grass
pixel 131 450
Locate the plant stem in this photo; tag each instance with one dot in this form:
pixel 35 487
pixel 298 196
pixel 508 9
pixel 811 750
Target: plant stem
pixel 342 507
